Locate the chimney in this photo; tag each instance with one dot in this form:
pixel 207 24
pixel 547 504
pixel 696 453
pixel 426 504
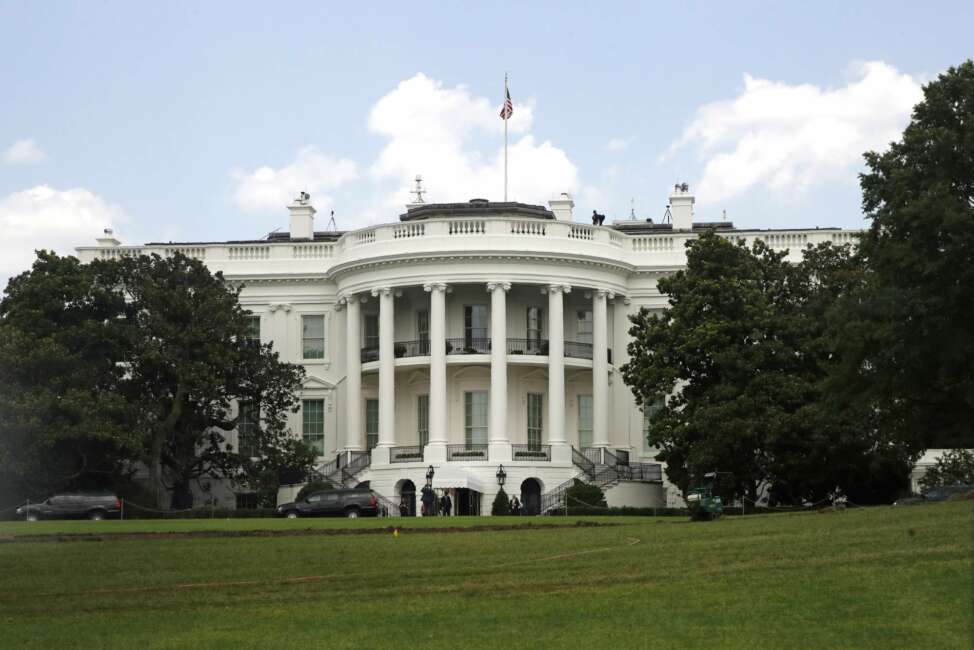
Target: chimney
pixel 302 217
pixel 562 207
pixel 681 207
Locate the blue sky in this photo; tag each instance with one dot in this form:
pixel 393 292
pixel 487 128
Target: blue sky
pixel 195 121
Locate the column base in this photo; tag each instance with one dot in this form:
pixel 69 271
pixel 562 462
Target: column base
pixel 380 456
pixel 499 452
pixel 434 452
pixel 561 453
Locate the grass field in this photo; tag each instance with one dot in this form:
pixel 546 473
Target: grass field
pixel 876 578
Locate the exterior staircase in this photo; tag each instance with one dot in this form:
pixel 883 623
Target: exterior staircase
pixel 344 469
pixel 603 468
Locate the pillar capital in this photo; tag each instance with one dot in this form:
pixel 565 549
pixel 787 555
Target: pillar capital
pixel 430 287
pixel 285 307
pixel 604 293
pixel 505 286
pixel 556 288
pixel 381 291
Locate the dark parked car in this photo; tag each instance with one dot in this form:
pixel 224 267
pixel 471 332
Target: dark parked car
pixel 936 494
pixel 333 503
pixel 76 505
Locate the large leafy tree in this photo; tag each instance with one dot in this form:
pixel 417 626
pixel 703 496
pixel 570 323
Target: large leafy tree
pixel 144 360
pixel 909 338
pixel 189 363
pixel 63 423
pixel 743 356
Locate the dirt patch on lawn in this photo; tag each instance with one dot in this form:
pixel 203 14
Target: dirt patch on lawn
pixel 303 532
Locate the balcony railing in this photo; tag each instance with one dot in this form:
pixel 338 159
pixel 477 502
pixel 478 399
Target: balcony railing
pixel 468 345
pixel 466 452
pixel 527 346
pixel 540 453
pixel 410 454
pixel 465 345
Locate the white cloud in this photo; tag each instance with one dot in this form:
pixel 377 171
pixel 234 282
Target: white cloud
pixel 43 217
pixel 454 139
pixel 788 138
pixel 24 151
pixel 266 188
pixel 618 144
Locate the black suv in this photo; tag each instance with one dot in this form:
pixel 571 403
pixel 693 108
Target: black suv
pixel 332 503
pixel 76 505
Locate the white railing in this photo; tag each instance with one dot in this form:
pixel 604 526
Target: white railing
pixel 255 252
pixel 581 232
pixel 467 227
pixel 195 252
pixel 311 251
pixel 364 237
pixel 408 230
pixel 119 252
pixel 534 228
pixel 652 243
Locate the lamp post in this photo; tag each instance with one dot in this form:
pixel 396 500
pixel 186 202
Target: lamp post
pixel 429 476
pixel 501 476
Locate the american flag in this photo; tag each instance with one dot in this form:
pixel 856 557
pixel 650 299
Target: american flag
pixel 508 108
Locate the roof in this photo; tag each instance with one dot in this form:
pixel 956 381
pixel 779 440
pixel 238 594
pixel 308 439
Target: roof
pixel 476 208
pixel 274 237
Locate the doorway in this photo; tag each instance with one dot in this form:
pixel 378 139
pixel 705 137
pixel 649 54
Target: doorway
pixel 468 502
pixel 531 496
pixel 407 494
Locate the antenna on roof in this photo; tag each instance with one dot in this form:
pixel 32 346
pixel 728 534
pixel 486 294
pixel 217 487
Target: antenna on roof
pixel 418 191
pixel 632 209
pixel 332 226
pixel 667 217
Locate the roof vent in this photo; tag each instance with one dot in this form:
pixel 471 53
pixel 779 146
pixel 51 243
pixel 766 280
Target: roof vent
pixel 479 201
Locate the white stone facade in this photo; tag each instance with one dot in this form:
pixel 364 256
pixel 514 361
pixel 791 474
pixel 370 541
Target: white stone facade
pixel 466 304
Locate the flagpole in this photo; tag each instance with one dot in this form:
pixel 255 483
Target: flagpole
pixel 505 141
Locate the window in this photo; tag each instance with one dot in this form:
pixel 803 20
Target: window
pixel 313 335
pixel 534 329
pixel 423 331
pixel 475 327
pixel 649 413
pixel 423 418
pixel 535 401
pixel 475 417
pixel 247 501
pixel 584 421
pixel 371 332
pixel 247 423
pixel 253 329
pixel 313 424
pixel 371 423
pixel 584 327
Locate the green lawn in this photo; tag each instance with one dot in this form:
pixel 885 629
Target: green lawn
pixel 883 578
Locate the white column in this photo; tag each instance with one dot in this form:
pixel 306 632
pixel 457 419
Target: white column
pixel 560 450
pixel 500 441
pixel 387 375
pixel 435 451
pixel 600 370
pixel 354 433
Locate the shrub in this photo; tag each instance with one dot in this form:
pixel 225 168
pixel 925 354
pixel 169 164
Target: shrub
pixel 955 467
pixel 312 487
pixel 584 494
pixel 502 505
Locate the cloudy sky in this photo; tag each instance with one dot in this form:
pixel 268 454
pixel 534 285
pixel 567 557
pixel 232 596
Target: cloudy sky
pixel 198 121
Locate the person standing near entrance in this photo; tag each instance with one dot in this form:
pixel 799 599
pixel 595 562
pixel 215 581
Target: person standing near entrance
pixel 515 506
pixel 446 504
pixel 428 499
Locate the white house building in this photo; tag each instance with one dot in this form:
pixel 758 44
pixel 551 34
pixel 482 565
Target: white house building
pixel 465 338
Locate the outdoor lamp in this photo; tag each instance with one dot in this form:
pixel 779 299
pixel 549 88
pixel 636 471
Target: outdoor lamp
pixel 429 476
pixel 501 475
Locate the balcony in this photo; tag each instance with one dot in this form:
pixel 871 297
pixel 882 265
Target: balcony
pixel 466 452
pixel 531 452
pixel 465 345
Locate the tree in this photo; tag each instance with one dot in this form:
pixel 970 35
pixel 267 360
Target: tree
pixel 909 347
pixel 189 366
pixel 585 495
pixel 63 423
pixel 501 505
pixel 139 360
pixel 954 467
pixel 744 355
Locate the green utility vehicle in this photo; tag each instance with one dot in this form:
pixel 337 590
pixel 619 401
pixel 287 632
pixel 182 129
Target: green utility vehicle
pixel 703 505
